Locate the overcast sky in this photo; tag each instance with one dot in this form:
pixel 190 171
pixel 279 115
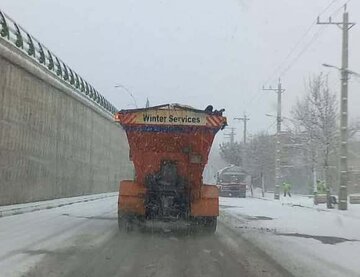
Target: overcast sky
pixel 196 52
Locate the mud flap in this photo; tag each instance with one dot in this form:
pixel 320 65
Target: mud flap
pixel 203 224
pixel 208 203
pixel 131 198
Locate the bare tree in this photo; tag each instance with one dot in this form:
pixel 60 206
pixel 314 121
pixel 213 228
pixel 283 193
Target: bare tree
pixel 260 158
pixel 353 129
pixel 232 153
pixel 316 115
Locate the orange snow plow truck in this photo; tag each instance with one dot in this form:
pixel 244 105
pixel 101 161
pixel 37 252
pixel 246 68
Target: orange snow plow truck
pixel 169 147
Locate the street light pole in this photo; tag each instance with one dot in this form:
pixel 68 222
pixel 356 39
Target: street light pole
pixel 345 25
pixel 350 72
pixel 128 91
pixel 279 90
pixel 344 116
pixel 343 134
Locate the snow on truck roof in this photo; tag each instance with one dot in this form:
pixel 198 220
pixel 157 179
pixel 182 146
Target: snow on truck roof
pixel 232 169
pixel 174 106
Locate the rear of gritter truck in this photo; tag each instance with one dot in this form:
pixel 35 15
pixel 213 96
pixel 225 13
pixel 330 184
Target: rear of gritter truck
pixel 169 147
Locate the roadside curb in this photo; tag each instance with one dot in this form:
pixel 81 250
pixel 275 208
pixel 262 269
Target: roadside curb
pixel 295 204
pixel 50 204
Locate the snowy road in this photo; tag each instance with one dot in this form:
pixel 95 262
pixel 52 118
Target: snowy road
pixel 305 239
pixel 82 239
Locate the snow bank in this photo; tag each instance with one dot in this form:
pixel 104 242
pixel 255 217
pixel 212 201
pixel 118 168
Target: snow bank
pixel 49 204
pixel 307 240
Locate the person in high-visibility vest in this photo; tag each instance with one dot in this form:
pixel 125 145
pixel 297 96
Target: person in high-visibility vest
pixel 321 187
pixel 286 188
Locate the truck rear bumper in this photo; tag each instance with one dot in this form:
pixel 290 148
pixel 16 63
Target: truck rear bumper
pixel 207 204
pixel 234 190
pixel 132 200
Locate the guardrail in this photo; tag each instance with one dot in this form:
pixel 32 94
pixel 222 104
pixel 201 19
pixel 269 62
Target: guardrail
pixel 15 34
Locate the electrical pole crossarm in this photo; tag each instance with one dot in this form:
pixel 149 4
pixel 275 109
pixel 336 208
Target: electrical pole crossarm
pixel 273 89
pixel 340 24
pixel 345 24
pixel 244 119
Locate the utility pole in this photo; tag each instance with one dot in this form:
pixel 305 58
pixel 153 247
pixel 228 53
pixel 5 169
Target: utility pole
pixel 244 119
pixel 231 136
pixel 279 90
pixel 262 185
pixel 345 26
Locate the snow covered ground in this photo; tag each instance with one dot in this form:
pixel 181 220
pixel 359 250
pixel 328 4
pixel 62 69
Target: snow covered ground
pixel 49 204
pixel 304 239
pixel 307 240
pixel 27 237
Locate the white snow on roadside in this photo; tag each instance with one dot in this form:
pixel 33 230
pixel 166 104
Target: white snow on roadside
pixel 262 220
pixel 49 204
pixel 27 237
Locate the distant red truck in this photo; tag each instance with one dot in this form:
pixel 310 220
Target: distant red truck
pixel 232 181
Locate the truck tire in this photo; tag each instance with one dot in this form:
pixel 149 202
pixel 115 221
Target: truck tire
pixel 210 224
pixel 125 224
pixel 205 225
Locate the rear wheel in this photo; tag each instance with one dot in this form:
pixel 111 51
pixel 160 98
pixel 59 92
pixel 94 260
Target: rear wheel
pixel 205 225
pixel 210 224
pixel 125 223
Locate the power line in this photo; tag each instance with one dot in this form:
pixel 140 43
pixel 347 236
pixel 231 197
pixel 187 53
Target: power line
pixel 341 8
pixel 271 125
pixel 252 99
pixel 285 68
pixel 292 50
pixel 307 46
pixel 303 51
pixel 295 46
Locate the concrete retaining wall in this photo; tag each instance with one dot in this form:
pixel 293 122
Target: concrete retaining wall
pixel 53 142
